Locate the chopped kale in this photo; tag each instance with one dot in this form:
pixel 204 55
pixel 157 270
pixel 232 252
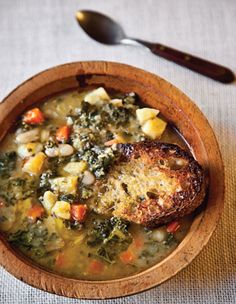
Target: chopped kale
pixel 85 193
pixel 44 184
pixel 7 163
pixel 33 239
pixel 111 236
pixel 73 225
pixel 70 198
pixel 14 189
pixel 116 115
pixel 170 240
pixel 99 160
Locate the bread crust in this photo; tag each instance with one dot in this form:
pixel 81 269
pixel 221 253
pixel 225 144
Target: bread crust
pixel 152 183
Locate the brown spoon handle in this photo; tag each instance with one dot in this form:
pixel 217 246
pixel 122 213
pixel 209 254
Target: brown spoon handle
pixel 201 66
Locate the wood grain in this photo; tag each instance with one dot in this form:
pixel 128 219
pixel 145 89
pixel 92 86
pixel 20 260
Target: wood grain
pixel 178 109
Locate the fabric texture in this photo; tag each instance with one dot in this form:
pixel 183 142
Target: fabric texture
pixel 36 35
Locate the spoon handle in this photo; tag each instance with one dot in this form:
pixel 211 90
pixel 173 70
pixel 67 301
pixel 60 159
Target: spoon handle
pixel 201 66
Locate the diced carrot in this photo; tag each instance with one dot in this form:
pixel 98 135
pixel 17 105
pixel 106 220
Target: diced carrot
pixel 138 243
pixel 127 257
pixel 119 139
pixel 33 117
pixel 63 134
pixel 95 267
pixel 2 203
pixel 60 259
pixel 172 227
pixel 110 142
pixel 78 212
pixel 35 212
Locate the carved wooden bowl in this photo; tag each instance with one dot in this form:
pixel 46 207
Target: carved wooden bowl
pixel 179 110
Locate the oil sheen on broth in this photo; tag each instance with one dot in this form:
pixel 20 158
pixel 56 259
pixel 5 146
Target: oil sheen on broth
pixel 48 166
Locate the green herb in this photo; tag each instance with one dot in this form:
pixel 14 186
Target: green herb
pixel 111 236
pixel 7 163
pixel 33 239
pixel 73 225
pixel 14 189
pixel 99 160
pixel 170 240
pixel 70 198
pixel 44 184
pixel 85 193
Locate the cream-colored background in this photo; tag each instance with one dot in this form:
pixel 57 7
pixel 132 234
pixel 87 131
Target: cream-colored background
pixel 35 35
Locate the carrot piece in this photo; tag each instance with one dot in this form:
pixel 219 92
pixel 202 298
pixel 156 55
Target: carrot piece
pixel 110 142
pixel 172 227
pixel 138 243
pixel 60 259
pixel 95 267
pixel 35 212
pixel 63 133
pixel 78 212
pixel 127 257
pixel 2 203
pixel 33 117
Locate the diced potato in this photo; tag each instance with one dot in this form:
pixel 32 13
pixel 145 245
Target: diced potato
pixel 117 102
pixel 44 136
pixel 76 168
pixel 49 200
pixel 154 128
pixel 35 164
pixel 67 185
pixel 61 209
pixel 57 242
pixel 97 97
pixel 27 150
pixel 145 114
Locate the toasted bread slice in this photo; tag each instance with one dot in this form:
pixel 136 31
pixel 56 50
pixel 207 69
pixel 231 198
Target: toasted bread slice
pixel 151 184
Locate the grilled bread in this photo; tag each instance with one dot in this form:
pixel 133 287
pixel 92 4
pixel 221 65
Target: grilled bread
pixel 152 183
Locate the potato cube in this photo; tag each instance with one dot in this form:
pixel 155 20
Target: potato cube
pixel 35 164
pixel 145 114
pixel 49 200
pixel 75 168
pixel 154 128
pixel 117 102
pixel 97 97
pixel 67 185
pixel 61 209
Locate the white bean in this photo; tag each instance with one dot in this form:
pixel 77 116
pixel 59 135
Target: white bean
pixel 52 152
pixel 159 235
pixel 88 178
pixel 26 150
pixel 26 137
pixel 65 150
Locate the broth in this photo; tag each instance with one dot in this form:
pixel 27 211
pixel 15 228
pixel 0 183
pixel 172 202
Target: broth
pixel 47 175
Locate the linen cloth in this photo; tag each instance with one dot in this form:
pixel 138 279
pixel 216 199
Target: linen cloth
pixel 35 35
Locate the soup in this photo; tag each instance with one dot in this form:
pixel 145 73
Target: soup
pixel 48 168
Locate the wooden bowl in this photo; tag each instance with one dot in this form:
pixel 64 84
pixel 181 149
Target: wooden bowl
pixel 179 110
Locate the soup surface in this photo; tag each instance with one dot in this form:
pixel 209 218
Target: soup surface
pixel 48 167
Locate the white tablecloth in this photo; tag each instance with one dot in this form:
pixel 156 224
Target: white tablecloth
pixel 35 35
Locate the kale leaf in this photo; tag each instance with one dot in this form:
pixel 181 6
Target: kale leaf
pixel 7 163
pixel 111 236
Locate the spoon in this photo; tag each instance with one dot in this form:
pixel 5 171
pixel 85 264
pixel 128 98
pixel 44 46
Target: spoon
pixel 105 30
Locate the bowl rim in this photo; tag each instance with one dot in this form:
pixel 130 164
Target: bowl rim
pixel 36 276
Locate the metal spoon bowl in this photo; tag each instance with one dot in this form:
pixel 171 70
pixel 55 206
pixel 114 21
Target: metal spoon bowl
pixel 105 30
